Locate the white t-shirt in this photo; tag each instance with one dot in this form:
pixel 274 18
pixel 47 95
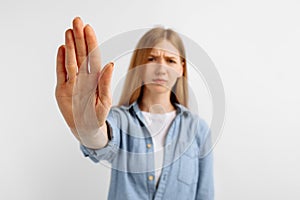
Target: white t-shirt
pixel 158 125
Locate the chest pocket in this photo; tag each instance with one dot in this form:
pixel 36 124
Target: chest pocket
pixel 188 167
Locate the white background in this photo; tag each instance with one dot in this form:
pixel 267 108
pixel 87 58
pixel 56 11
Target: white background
pixel 254 44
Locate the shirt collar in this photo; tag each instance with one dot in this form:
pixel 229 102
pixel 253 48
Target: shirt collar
pixel 180 109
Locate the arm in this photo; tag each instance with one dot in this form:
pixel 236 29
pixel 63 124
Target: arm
pixel 83 95
pixel 96 141
pixel 109 151
pixel 205 185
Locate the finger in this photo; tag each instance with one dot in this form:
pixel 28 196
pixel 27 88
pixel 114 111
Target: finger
pixel 93 49
pixel 61 72
pixel 105 80
pixel 70 56
pixel 80 45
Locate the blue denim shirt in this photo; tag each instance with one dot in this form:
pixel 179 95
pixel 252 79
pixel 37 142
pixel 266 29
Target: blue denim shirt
pixel 188 161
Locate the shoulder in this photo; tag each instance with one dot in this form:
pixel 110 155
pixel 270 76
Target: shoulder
pixel 122 115
pixel 120 109
pixel 192 117
pixel 195 123
pixel 197 131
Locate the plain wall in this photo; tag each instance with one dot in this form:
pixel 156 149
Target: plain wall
pixel 253 44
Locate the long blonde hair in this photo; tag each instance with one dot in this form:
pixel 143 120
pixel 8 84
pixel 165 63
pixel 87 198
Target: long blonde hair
pixel 133 87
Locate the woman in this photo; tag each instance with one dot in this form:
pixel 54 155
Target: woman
pixel 154 143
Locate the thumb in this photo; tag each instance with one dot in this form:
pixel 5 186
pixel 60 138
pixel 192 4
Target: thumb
pixel 104 80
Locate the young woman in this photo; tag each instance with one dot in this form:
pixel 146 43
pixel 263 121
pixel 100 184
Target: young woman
pixel 154 143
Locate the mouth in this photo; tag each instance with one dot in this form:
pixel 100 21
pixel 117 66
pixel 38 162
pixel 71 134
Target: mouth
pixel 159 81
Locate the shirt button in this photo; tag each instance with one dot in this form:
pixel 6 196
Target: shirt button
pixel 149 146
pixel 150 178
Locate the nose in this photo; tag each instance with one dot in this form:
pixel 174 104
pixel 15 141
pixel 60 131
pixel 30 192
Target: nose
pixel 160 61
pixel 160 69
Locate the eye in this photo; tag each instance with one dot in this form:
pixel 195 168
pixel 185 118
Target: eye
pixel 151 59
pixel 172 61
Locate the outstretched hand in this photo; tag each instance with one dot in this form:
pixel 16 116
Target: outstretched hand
pixel 83 88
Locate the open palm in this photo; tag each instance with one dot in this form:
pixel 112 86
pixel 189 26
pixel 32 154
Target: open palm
pixel 83 88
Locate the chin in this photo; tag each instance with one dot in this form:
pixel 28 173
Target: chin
pixel 158 88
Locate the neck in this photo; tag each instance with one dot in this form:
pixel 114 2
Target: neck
pixel 158 103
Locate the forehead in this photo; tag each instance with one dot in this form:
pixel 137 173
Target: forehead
pixel 165 47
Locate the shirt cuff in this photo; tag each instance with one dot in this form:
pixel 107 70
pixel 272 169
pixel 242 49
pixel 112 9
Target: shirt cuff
pixel 107 152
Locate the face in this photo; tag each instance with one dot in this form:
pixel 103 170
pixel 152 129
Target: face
pixel 163 67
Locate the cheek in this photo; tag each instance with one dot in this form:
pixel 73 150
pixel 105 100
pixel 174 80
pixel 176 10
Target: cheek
pixel 175 73
pixel 172 78
pixel 179 71
pixel 146 73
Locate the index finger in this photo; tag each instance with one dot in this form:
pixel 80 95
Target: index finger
pixel 94 56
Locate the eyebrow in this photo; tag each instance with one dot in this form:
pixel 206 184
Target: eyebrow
pixel 155 55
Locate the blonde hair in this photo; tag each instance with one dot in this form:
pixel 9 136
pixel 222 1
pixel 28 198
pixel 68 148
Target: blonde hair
pixel 133 87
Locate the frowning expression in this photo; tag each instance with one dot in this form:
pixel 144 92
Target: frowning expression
pixel 163 67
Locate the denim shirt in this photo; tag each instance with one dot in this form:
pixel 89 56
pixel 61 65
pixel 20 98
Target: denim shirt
pixel 187 171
